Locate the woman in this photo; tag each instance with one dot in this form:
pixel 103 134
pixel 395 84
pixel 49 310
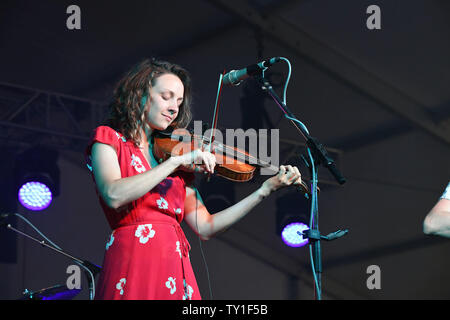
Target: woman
pixel 147 255
pixel 437 221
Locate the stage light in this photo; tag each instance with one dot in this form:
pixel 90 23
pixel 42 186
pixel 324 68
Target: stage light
pixel 37 178
pixel 35 195
pixel 290 235
pixel 292 217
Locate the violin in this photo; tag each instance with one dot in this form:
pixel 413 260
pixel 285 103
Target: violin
pixel 231 163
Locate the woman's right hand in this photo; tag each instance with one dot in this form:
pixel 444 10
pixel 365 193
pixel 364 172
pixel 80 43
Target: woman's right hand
pixel 196 161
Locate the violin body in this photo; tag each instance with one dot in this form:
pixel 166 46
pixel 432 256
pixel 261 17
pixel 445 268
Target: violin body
pixel 237 172
pixel 181 142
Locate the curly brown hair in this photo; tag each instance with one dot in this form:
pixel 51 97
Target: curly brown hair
pixel 131 92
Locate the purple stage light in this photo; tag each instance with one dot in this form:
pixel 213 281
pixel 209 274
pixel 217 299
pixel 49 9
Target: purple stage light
pixel 290 235
pixel 35 195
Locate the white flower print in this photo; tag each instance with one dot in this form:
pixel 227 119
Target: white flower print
pixel 188 291
pixel 136 162
pixel 162 203
pixel 170 284
pixel 178 248
pixel 120 137
pixel 120 285
pixel 144 232
pixel 177 211
pixel 110 242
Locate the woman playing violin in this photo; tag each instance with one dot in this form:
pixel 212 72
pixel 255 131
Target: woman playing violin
pixel 147 254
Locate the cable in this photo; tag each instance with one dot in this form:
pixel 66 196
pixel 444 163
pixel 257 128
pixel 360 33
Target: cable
pixel 285 99
pixel 91 294
pixel 282 107
pixel 287 79
pixel 200 244
pixel 314 208
pixel 314 205
pixel 37 230
pixel 297 121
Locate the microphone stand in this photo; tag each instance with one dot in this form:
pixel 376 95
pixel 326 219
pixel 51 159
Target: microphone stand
pixel 88 266
pixel 318 156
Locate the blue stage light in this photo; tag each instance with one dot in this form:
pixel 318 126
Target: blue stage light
pixel 291 237
pixel 36 177
pixel 35 195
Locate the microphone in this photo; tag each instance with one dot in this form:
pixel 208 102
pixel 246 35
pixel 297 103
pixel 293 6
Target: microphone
pixel 235 77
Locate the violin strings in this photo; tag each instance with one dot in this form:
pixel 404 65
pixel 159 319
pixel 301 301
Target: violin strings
pixel 228 150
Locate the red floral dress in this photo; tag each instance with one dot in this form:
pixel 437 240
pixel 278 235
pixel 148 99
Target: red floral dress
pixel 147 254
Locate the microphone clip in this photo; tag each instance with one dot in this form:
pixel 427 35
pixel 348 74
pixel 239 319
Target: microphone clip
pixel 315 235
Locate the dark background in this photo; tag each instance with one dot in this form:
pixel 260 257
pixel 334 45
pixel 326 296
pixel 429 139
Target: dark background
pixel 379 100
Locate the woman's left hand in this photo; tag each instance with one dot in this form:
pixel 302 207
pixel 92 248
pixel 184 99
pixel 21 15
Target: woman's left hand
pixel 288 175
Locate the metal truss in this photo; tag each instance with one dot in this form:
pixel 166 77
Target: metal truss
pixel 33 116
